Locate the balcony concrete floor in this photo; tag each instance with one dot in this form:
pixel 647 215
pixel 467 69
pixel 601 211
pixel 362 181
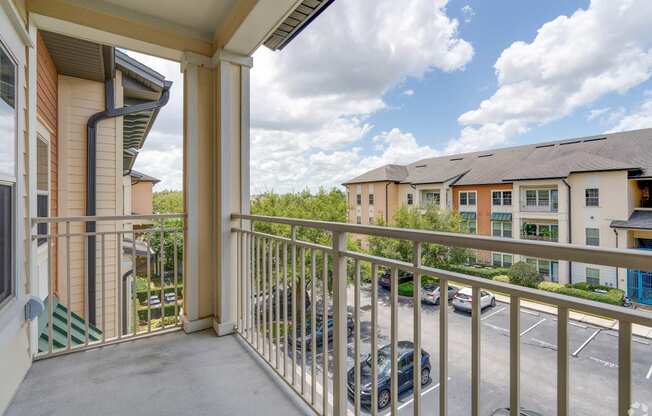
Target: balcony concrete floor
pixel 169 374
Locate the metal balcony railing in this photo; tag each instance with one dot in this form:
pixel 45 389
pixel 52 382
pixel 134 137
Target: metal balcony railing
pixel 135 288
pixel 271 268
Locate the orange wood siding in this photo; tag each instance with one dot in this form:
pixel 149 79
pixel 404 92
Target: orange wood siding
pixel 483 202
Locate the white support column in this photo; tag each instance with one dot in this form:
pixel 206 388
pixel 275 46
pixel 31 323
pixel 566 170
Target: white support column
pixel 232 175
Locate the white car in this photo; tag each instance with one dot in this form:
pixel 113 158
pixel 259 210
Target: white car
pixel 464 299
pixel 430 293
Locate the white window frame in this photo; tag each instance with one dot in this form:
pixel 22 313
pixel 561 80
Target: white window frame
pixel 502 229
pixel 588 198
pixel 501 198
pixel 502 262
pixel 587 238
pixel 467 195
pixel 436 197
pixel 592 269
pixel 371 197
pixel 410 198
pixel 13 183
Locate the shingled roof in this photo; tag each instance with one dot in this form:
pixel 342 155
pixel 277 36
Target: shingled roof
pixel 631 151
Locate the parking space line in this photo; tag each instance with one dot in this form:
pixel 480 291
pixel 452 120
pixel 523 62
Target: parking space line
pixel 577 325
pixel 492 314
pixel 423 393
pixel 589 339
pixel 497 328
pixel 545 344
pixel 640 341
pixel 649 373
pixel 605 363
pixel 533 326
pixel 529 312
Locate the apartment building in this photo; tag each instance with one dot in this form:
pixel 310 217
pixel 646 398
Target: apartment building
pixel 591 191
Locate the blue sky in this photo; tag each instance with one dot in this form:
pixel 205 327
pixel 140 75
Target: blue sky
pixel 372 82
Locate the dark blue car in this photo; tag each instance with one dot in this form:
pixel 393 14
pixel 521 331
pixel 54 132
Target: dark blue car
pixel 405 374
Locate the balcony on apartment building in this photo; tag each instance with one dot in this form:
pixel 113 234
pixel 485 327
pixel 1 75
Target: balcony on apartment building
pixel 201 313
pixel 539 200
pixel 540 232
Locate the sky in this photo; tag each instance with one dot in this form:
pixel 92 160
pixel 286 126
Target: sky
pixel 372 82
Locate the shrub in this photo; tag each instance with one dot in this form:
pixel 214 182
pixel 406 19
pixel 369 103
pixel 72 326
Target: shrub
pixel 502 278
pixel 479 271
pixel 613 296
pixel 524 274
pixel 406 289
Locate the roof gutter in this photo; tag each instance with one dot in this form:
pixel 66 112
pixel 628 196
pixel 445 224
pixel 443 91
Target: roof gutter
pixel 91 166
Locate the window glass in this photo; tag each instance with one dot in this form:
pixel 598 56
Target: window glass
pixel 507 229
pixel 496 198
pixel 592 236
pixel 7 116
pixel 358 219
pixel 543 198
pixel 471 198
pixel 592 276
pixel 6 242
pixel 42 211
pixel 410 199
pixel 497 259
pixel 508 260
pixel 496 229
pixel 531 197
pixel 371 199
pixel 507 198
pixel 592 197
pixel 358 199
pixel 463 198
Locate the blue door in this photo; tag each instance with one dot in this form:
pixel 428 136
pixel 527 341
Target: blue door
pixel 639 286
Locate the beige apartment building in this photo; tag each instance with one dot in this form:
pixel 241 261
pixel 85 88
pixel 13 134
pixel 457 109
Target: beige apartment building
pixel 590 191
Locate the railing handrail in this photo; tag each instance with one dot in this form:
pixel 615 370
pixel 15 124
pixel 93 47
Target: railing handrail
pixel 615 257
pixel 50 220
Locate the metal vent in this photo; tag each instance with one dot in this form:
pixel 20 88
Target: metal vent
pixel 300 18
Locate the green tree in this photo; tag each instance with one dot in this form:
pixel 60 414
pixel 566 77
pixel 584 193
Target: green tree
pixel 168 202
pixel 524 274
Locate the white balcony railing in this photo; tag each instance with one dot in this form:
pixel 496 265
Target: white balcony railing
pixel 130 286
pixel 271 268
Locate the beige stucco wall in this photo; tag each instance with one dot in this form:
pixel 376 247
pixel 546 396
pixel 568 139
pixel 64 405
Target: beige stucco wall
pixel 78 100
pixel 141 198
pixel 614 194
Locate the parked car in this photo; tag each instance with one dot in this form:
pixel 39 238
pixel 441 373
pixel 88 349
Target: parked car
pixel 153 300
pixel 319 331
pixel 405 374
pixel 385 280
pixel 430 293
pixel 170 297
pixel 523 412
pixel 464 299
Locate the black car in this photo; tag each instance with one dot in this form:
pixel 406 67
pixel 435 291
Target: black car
pixel 405 374
pixel 505 412
pixel 385 279
pixel 319 331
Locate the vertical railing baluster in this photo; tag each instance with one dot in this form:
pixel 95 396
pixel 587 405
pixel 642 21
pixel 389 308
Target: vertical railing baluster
pixel 121 301
pixel 514 355
pixel 324 338
pixel 149 285
pixel 87 301
pixel 256 276
pixel 443 348
pixel 356 345
pixel 393 296
pixel 103 241
pixel 238 281
pixel 263 261
pixel 293 233
pixel 416 305
pixel 270 299
pixel 302 288
pixel 374 340
pixel 51 298
pixel 162 273
pixel 624 367
pixel 562 362
pixel 134 267
pixel 285 309
pixel 68 288
pixel 176 280
pixel 340 325
pixel 313 328
pixel 278 305
pixel 476 341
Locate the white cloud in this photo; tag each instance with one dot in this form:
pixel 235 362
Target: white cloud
pixel 573 61
pixel 641 118
pixel 597 113
pixel 468 13
pixel 311 101
pixel 409 93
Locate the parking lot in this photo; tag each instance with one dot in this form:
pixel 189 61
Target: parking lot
pixel 593 364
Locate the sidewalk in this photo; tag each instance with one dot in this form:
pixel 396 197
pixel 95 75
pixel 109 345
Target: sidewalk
pixel 638 330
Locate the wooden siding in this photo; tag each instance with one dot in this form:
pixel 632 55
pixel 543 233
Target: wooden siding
pixel 78 100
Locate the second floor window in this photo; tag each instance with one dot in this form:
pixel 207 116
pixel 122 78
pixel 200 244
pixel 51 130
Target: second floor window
pixel 431 198
pixel 467 199
pixel 503 198
pixel 592 236
pixel 358 199
pixel 371 199
pixel 542 198
pixel 502 229
pixel 592 196
pixel 410 199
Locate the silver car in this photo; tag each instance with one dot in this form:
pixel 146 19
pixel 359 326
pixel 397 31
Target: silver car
pixel 464 299
pixel 430 293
